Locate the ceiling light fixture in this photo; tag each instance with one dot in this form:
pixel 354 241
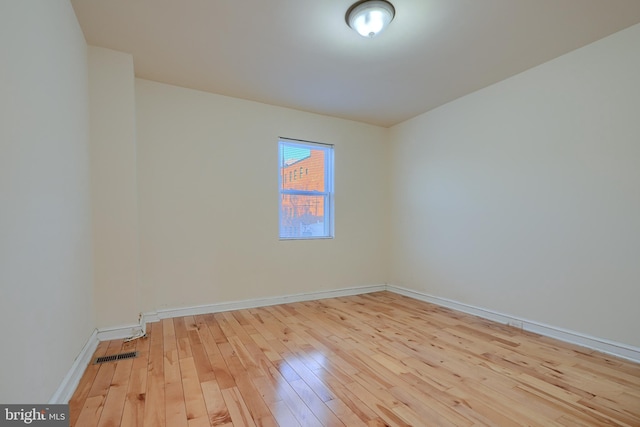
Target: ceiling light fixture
pixel 370 17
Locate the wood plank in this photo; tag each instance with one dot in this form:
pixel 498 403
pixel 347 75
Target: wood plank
pixel 240 415
pixel 257 408
pixel 133 412
pixel 197 414
pixel 200 357
pixel 175 407
pixel 94 403
pixel 182 338
pixel 154 404
pixel 283 392
pixel 91 411
pixel 175 410
pixel 319 408
pixel 77 401
pixel 114 403
pixel 218 365
pixel 216 407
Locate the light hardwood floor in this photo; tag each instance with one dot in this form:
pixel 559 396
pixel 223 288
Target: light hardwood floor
pixel 369 360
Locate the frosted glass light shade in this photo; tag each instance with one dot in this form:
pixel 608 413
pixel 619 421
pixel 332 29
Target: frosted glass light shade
pixel 370 17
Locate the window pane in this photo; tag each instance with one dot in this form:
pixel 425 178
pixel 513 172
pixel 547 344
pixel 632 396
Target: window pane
pixel 303 216
pixel 304 168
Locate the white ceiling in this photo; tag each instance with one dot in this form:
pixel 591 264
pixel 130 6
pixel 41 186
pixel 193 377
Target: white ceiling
pixel 301 54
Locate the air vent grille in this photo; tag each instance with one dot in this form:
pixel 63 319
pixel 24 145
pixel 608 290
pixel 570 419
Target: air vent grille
pixel 115 357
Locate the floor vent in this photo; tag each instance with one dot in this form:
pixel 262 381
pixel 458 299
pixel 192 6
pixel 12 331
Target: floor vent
pixel 115 357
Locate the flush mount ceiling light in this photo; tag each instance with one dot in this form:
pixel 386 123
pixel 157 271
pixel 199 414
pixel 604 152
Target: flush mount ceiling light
pixel 370 17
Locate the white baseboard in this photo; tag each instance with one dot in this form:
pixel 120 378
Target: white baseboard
pixel 599 344
pixel 258 302
pixel 70 382
pixel 151 317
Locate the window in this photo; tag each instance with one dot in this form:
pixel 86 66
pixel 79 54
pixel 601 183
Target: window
pixel 306 203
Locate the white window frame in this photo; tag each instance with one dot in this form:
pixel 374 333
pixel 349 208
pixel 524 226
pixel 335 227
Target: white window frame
pixel 328 193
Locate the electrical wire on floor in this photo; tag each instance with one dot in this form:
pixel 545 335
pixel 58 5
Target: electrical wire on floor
pixel 140 334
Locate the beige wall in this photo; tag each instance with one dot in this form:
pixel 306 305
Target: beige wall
pixel 113 187
pixel 524 197
pixel 45 234
pixel 208 201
